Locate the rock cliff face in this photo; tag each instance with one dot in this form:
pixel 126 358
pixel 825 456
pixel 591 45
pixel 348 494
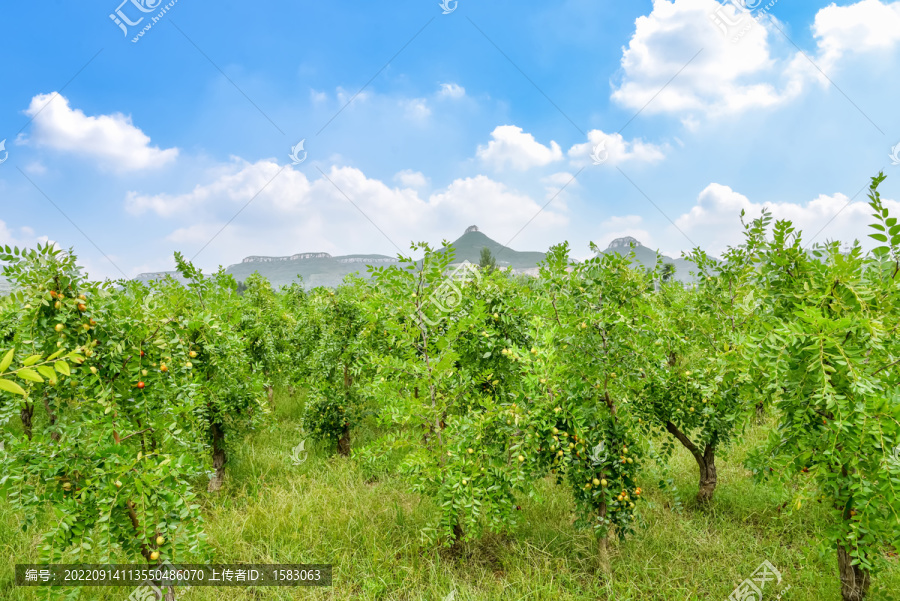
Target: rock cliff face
pixel 625 242
pixel 297 257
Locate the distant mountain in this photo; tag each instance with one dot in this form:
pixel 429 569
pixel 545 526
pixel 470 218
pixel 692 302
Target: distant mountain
pixel 468 248
pixel 317 269
pixel 647 257
pixel 322 269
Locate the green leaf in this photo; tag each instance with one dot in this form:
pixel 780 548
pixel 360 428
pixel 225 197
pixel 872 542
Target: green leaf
pixel 879 237
pixel 30 375
pixel 56 354
pixel 63 368
pixel 7 360
pixel 9 386
pixel 47 372
pixel 31 360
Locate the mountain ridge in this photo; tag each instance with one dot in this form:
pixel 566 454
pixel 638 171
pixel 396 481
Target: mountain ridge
pixel 323 269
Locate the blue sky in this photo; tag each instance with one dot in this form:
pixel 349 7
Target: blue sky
pixel 417 124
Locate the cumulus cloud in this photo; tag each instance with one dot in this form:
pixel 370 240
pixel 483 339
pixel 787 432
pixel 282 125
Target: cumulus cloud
pixel 452 90
pixel 23 237
pixel 112 139
pixel 730 75
pixel 411 179
pixel 867 26
pixel 291 212
pixel 615 148
pixel 713 222
pixel 416 109
pixel 514 148
pixel 724 77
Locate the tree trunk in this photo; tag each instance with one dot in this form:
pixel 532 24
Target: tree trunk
pixel 604 539
pixel 343 445
pixel 458 535
pixel 219 458
pixel 170 593
pixel 854 580
pixel 54 433
pixel 706 461
pixel 270 393
pixel 26 415
pixel 707 476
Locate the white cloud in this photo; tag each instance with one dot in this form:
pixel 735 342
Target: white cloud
pixel 713 222
pixel 416 108
pixel 730 76
pixel 36 168
pixel 411 179
pixel 343 96
pixel 294 213
pixel 617 150
pixel 867 26
pixel 511 146
pixel 725 77
pixel 452 90
pixel 112 139
pixel 23 238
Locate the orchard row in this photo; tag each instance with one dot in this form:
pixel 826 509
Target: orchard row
pixel 115 398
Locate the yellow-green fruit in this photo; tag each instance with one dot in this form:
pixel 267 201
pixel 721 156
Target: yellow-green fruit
pixel 597 482
pixel 67 486
pixel 603 482
pixel 471 451
pixel 154 556
pixel 59 327
pixel 57 305
pixel 160 541
pixel 465 482
pixel 93 370
pixel 144 372
pixel 521 458
pixel 560 453
pixel 630 460
pixel 193 354
pixel 118 484
pixel 556 430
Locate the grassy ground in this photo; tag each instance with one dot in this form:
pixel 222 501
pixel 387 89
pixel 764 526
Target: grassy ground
pixel 326 510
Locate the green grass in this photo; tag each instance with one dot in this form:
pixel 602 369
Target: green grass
pixel 327 510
